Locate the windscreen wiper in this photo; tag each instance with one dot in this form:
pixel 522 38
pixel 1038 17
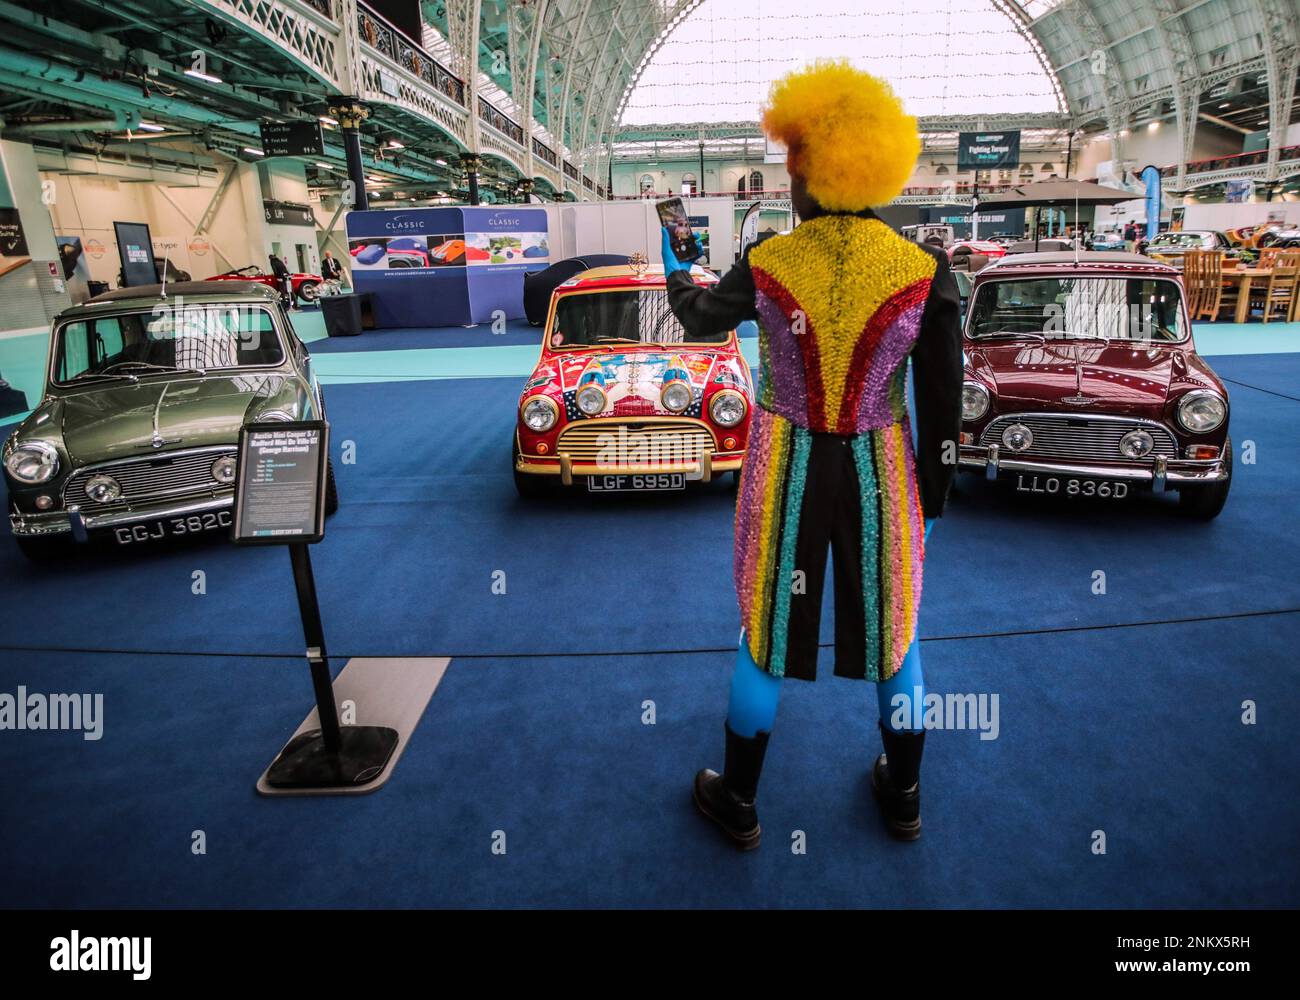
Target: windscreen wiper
pixel 1007 334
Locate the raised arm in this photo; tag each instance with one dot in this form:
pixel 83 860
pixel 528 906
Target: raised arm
pixel 702 311
pixel 936 384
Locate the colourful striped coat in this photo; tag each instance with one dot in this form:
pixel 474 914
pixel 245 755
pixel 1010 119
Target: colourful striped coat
pixel 842 302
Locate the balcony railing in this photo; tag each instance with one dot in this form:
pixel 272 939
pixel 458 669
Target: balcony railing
pixel 387 40
pixel 570 170
pixel 321 7
pixel 507 126
pixel 1251 159
pixel 545 152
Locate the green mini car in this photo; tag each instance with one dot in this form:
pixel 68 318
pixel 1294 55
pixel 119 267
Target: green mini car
pixel 146 391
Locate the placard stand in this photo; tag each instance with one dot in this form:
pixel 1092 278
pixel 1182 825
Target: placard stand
pixel 280 479
pixel 332 756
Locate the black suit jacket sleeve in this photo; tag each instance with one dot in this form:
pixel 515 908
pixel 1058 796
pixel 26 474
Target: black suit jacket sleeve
pixel 704 312
pixel 936 386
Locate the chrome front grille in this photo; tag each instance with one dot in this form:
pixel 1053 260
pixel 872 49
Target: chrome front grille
pixel 178 475
pixel 1059 435
pixel 646 443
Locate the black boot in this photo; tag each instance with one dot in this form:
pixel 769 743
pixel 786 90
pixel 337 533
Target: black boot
pixel 728 798
pixel 896 781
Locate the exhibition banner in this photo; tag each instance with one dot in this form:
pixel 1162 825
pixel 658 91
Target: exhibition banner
pixel 446 266
pixel 135 251
pixel 988 150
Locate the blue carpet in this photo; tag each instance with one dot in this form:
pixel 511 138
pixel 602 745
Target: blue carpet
pixel 595 806
pixel 517 331
pixel 430 513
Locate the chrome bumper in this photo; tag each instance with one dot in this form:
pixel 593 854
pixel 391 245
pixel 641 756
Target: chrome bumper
pixel 78 525
pixel 1161 473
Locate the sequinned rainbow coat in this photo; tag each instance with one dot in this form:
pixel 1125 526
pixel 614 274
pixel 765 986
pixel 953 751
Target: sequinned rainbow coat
pixel 842 303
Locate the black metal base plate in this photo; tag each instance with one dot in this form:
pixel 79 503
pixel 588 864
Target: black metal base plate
pixel 305 763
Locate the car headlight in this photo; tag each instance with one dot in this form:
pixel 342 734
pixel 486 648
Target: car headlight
pixel 1018 437
pixel 1201 411
pixel 728 408
pixel 223 469
pixel 974 401
pixel 33 462
pixel 103 489
pixel 540 414
pixel 676 396
pixel 591 399
pixel 1136 444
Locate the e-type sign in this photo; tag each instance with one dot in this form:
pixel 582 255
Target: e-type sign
pixel 988 150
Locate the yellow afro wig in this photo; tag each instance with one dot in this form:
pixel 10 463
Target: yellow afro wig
pixel 845 132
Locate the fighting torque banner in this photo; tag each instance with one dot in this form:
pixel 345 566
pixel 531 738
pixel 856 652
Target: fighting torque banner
pixel 446 266
pixel 988 150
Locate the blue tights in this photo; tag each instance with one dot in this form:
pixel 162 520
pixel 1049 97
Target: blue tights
pixel 755 693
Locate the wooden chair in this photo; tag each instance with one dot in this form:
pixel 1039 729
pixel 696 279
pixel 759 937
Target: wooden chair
pixel 1192 288
pixel 1280 295
pixel 1268 256
pixel 1211 285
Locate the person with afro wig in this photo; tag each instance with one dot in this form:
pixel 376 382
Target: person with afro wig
pixel 842 303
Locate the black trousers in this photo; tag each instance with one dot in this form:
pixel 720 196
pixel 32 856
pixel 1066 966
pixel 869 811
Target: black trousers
pixel 830 521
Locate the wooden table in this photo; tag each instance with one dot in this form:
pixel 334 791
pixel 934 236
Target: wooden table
pixel 1242 277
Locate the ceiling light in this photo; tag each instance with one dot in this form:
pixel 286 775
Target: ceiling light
pixel 254 152
pixel 150 127
pixel 394 144
pixel 203 76
pixel 1225 104
pixel 327 120
pixel 441 163
pixel 1151 127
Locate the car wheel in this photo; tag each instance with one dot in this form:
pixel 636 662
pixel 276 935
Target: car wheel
pixel 1205 502
pixel 331 489
pixel 529 487
pixel 40 550
pixel 309 291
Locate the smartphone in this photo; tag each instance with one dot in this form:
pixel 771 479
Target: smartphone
pixel 672 215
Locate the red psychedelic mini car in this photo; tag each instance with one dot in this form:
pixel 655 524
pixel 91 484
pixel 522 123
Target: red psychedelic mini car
pixel 306 287
pixel 622 398
pixel 1082 380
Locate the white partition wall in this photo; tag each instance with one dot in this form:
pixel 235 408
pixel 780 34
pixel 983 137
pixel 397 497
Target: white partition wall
pixel 624 227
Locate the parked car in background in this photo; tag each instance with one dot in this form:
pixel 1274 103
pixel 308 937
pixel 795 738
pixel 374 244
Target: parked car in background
pixel 136 435
pixel 1112 241
pixel 988 248
pixel 1171 246
pixel 1082 381
pixel 622 399
pixel 306 287
pixel 1286 238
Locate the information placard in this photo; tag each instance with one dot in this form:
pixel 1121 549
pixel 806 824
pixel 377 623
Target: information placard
pixel 280 483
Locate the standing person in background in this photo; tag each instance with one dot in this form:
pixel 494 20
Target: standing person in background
pixel 1130 235
pixel 282 278
pixel 842 303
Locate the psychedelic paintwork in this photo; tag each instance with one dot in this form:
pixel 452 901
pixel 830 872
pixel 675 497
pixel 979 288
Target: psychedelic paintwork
pixel 632 380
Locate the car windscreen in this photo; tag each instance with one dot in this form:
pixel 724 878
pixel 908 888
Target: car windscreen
pixel 1068 307
pixel 167 339
pixel 641 316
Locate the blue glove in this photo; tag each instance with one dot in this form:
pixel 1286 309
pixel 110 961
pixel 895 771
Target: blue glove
pixel 929 526
pixel 671 263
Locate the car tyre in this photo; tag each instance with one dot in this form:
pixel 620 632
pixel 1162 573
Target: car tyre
pixel 308 292
pixel 40 550
pixel 1205 502
pixel 529 487
pixel 331 489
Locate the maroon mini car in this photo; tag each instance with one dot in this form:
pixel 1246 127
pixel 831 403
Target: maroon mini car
pixel 1082 380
